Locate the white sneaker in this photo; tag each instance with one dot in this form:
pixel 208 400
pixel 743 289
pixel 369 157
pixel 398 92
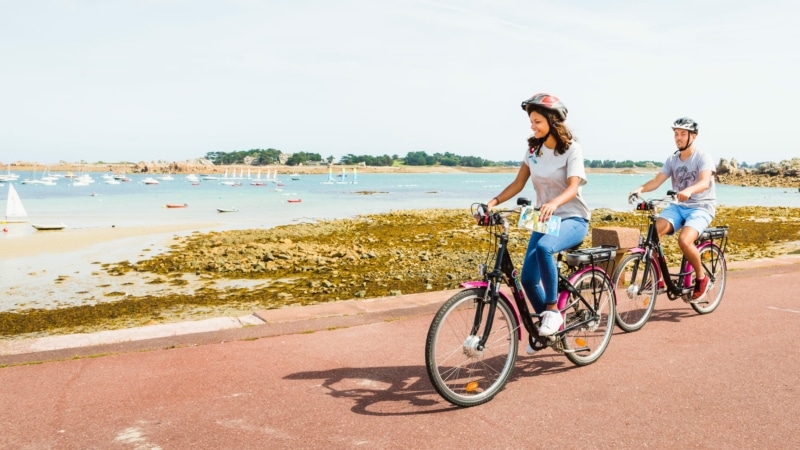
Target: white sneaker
pixel 551 322
pixel 530 350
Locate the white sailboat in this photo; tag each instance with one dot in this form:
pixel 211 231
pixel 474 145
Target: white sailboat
pixel 355 176
pixel 330 176
pixel 15 212
pixel 8 176
pixel 342 177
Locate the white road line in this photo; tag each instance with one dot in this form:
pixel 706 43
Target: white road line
pixel 783 309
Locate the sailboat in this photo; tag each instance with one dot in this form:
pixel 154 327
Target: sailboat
pixel 342 177
pixel 15 212
pixel 355 176
pixel 330 176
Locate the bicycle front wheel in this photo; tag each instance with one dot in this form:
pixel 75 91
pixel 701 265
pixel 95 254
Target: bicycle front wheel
pixel 713 261
pixel 585 343
pixel 462 371
pixel 635 300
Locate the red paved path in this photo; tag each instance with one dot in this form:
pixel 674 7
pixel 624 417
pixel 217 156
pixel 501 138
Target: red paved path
pixel 724 380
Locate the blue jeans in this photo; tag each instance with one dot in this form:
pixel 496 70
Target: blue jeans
pixel 539 272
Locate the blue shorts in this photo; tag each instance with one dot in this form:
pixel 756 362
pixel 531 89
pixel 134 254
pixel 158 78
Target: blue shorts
pixel 680 216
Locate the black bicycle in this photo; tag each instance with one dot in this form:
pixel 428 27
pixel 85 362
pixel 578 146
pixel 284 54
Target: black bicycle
pixel 643 272
pixel 473 340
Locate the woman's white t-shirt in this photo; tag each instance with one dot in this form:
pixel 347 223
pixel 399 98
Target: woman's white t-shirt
pixel 549 174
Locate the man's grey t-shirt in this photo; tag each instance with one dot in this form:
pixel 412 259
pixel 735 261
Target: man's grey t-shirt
pixel 686 173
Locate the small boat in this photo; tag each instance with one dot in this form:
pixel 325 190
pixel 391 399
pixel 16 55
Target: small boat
pixel 150 180
pixel 294 200
pixel 48 226
pixel 225 210
pixel 175 205
pixel 295 176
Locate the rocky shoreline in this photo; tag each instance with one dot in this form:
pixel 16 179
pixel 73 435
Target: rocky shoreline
pixel 369 256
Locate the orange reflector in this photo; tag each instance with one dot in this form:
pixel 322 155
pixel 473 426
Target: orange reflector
pixel 580 342
pixel 472 386
pixel 646 301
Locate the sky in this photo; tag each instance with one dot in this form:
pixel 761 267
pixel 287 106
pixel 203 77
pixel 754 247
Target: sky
pixel 171 80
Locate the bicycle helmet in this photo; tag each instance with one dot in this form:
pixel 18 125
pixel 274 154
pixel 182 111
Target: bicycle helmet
pixel 547 101
pixel 685 123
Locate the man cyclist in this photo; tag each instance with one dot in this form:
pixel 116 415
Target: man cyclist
pixel 692 173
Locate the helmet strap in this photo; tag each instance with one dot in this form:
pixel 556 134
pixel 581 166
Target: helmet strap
pixel 689 142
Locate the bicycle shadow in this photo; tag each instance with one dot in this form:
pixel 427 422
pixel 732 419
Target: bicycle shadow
pixel 406 390
pixel 674 314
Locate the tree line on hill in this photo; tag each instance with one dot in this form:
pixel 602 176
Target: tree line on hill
pixel 270 156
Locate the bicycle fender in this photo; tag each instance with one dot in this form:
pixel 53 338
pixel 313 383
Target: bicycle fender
pixel 513 305
pixel 656 266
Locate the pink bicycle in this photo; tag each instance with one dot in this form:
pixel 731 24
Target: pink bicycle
pixel 473 340
pixel 643 273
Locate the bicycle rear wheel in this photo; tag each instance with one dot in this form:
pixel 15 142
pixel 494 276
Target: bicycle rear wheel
pixel 585 344
pixel 462 372
pixel 635 301
pixel 713 261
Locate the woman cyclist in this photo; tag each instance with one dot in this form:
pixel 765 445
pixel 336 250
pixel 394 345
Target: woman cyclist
pixel 554 164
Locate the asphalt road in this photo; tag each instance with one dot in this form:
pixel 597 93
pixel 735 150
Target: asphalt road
pixel 723 380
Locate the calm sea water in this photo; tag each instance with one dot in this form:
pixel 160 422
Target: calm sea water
pixel 29 279
pixel 137 204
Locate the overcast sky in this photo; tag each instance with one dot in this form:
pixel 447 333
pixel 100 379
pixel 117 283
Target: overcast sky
pixel 115 80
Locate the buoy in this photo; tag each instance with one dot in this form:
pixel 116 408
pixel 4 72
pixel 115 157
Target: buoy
pixel 5 230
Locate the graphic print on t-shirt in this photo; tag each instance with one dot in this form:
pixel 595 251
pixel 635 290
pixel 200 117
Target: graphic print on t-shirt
pixel 684 178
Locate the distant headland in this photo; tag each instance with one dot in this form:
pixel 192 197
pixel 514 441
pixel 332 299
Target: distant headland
pixel 770 174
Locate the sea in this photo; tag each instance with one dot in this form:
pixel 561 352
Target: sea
pixel 268 203
pixel 57 279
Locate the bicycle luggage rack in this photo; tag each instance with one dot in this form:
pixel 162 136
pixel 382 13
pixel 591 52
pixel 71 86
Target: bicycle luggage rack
pixel 593 256
pixel 719 234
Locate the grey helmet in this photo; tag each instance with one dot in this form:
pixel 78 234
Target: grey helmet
pixel 685 123
pixel 547 101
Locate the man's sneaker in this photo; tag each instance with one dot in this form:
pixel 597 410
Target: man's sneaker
pixel 700 288
pixel 551 322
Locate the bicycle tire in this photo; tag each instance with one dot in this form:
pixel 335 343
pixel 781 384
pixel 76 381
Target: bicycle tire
pixel 713 261
pixel 460 373
pixel 585 344
pixel 635 303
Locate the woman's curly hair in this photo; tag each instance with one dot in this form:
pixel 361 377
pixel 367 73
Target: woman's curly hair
pixel 558 130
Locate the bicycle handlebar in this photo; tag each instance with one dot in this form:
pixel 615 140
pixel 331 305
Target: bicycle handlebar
pixel 486 217
pixel 648 205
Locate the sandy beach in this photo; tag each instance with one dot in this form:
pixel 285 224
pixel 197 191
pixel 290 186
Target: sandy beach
pixel 71 240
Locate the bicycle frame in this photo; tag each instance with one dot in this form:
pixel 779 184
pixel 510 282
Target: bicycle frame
pixel 505 267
